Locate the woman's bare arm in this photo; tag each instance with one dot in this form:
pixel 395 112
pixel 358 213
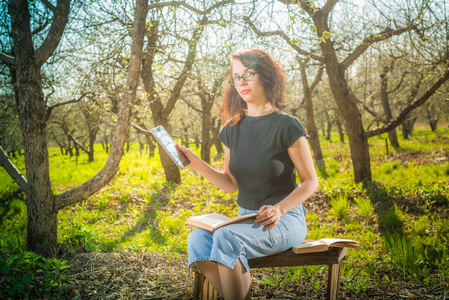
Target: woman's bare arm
pixel 223 180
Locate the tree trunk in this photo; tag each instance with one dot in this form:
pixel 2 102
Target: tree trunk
pixel 160 117
pixel 92 137
pixel 185 138
pixel 141 145
pixel 341 132
pixel 77 150
pixel 405 135
pixel 407 127
pixel 433 124
pixel 151 147
pixel 42 204
pixel 161 113
pixel 386 106
pixel 353 120
pixel 197 142
pixel 310 116
pixel 41 212
pixel 329 128
pixel 323 127
pixel 219 147
pixel 69 149
pixel 206 123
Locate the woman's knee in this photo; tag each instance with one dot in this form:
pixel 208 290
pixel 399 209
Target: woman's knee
pixel 199 237
pixel 225 239
pixel 222 233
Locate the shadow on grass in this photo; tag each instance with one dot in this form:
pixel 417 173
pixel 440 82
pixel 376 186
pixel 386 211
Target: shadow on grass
pixel 8 207
pixel 149 215
pixel 322 171
pixel 389 215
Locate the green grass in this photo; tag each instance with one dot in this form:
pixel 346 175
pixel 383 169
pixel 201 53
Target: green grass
pixel 339 206
pixel 401 219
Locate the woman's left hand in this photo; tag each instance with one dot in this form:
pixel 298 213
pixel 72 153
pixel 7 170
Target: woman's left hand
pixel 268 216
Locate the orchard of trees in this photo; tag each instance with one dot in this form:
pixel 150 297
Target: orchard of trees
pixel 75 73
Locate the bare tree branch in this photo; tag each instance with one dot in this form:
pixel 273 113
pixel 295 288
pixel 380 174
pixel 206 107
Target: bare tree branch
pixel 106 122
pixel 60 19
pixel 140 129
pixel 186 70
pixel 317 79
pixel 374 38
pixel 402 116
pixel 41 27
pixel 49 6
pixel 400 83
pixel 328 6
pixel 284 36
pixel 11 169
pixel 50 109
pixel 111 166
pixel 371 112
pixel 191 105
pixel 305 4
pixel 7 59
pixel 194 9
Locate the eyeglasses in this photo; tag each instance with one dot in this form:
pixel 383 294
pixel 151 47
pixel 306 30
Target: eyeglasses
pixel 245 76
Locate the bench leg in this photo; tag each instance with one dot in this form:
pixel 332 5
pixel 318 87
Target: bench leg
pixel 333 283
pixel 203 289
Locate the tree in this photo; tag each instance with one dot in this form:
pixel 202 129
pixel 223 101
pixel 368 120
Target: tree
pixel 210 125
pixel 384 92
pixel 42 204
pixel 161 111
pixel 311 127
pixel 345 99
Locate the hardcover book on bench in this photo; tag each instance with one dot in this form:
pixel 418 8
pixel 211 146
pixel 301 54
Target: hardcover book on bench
pixel 168 144
pixel 323 244
pixel 212 222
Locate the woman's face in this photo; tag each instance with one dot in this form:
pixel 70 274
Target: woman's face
pixel 251 90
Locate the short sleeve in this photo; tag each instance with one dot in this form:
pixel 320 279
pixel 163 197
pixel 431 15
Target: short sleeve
pixel 223 136
pixel 293 132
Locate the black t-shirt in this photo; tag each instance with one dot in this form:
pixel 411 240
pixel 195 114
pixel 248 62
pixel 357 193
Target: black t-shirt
pixel 259 158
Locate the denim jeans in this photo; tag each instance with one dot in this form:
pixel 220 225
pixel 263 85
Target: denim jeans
pixel 247 239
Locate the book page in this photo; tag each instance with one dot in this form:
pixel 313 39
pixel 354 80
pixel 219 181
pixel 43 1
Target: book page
pixel 239 218
pixel 211 219
pixel 329 241
pixel 309 243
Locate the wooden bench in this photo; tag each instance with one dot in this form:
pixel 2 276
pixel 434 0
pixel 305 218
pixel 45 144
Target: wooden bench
pixel 204 290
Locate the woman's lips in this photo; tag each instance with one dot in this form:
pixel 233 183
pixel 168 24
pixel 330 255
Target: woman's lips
pixel 244 91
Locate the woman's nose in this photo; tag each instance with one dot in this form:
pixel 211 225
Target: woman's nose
pixel 242 82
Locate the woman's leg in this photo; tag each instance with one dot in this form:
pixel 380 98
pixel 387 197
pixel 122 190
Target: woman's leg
pixel 234 244
pixel 210 270
pixel 236 283
pixel 230 283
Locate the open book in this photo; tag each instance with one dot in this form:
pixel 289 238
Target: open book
pixel 323 245
pixel 212 222
pixel 168 144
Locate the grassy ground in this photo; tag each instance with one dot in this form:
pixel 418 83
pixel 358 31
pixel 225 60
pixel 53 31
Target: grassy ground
pixel 400 219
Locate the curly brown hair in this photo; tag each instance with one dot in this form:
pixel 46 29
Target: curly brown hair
pixel 271 77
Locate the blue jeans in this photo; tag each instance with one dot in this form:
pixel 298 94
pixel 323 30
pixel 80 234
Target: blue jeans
pixel 246 239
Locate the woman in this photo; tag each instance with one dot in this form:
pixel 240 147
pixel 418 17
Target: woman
pixel 263 147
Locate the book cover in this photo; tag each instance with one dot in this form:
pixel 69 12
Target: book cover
pixel 168 144
pixel 323 244
pixel 212 222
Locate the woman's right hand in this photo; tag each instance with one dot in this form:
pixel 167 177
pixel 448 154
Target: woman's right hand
pixel 192 157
